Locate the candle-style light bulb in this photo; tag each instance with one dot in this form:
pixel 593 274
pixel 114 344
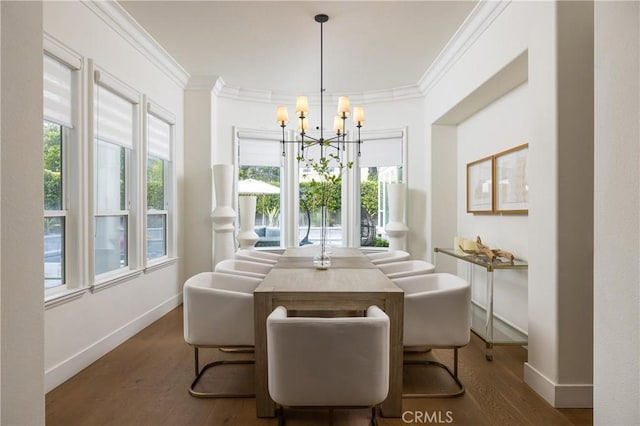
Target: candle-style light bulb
pixel 338 124
pixel 303 124
pixel 343 106
pixel 358 115
pixel 302 106
pixel 282 116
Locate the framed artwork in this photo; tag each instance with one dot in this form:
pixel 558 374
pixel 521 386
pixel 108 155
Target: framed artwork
pixel 511 181
pixel 479 186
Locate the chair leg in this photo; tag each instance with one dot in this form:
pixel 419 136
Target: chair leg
pixel 280 413
pixel 454 376
pixel 374 416
pixel 200 373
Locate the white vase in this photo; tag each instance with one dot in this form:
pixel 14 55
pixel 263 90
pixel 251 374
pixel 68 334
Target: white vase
pixel 223 214
pixel 395 228
pixel 247 236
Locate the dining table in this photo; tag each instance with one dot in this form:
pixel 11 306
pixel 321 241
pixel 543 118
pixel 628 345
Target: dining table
pixel 351 283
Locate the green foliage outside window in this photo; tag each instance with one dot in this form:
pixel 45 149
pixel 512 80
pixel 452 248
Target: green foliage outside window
pixel 52 155
pixel 155 183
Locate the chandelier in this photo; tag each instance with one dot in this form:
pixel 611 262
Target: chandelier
pixel 336 142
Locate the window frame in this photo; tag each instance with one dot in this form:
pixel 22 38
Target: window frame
pixel 72 177
pixel 288 233
pixel 169 184
pixel 400 136
pixel 133 182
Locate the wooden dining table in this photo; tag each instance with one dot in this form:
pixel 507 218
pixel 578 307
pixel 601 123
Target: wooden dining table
pixel 351 283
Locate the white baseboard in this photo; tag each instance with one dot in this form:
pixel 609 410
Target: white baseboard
pixel 558 395
pixel 66 369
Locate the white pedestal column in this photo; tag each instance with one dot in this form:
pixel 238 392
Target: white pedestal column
pixel 223 215
pixel 395 229
pixel 247 236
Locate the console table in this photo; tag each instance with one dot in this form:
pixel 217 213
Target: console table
pixel 491 330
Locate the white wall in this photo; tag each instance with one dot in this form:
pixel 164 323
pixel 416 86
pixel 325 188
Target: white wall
pixel 557 39
pixel 478 137
pixel 21 242
pixel 617 203
pixel 79 332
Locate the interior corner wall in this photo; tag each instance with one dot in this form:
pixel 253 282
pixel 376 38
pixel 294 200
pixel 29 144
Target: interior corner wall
pixel 617 203
pixel 533 27
pixel 79 332
pixel 198 182
pixel 21 243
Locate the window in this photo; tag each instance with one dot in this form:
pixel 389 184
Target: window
pixel 311 201
pixel 380 163
pixel 57 124
pixel 114 171
pixel 259 174
pixel 159 134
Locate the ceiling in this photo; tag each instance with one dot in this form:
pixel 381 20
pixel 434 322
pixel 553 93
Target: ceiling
pixel 275 46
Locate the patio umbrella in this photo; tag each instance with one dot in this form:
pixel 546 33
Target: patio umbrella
pixel 252 186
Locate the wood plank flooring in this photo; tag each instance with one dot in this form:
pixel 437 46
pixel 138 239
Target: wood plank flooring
pixel 144 382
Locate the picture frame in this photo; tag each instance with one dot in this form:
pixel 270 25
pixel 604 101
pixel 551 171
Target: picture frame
pixel 480 175
pixel 511 182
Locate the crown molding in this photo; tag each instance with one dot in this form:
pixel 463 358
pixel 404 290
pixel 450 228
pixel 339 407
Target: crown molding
pixel 269 96
pixel 121 22
pixel 480 18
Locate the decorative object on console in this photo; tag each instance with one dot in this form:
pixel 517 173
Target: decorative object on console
pixel 247 237
pixel 491 254
pixel 223 215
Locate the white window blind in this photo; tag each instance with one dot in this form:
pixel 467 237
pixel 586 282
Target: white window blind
pixel 57 92
pixel 381 150
pixel 158 137
pixel 259 152
pixel 114 118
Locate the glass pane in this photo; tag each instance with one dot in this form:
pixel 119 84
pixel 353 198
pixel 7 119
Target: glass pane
pixel 312 197
pixel 52 154
pixel 53 251
pixel 264 183
pixel 111 243
pixel 374 201
pixel 110 177
pixel 155 183
pixel 156 235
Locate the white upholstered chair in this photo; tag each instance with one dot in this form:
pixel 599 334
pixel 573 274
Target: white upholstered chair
pixel 218 312
pixel 437 314
pixel 244 268
pixel 406 268
pixel 257 256
pixel 383 257
pixel 328 362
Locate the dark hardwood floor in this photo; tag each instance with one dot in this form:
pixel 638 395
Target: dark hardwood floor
pixel 144 382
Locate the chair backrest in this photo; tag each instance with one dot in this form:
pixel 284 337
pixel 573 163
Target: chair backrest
pixel 243 267
pixel 218 309
pixel 328 362
pixel 437 310
pixel 257 256
pixel 406 268
pixel 388 256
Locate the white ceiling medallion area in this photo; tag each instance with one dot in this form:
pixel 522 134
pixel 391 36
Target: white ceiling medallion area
pixel 122 22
